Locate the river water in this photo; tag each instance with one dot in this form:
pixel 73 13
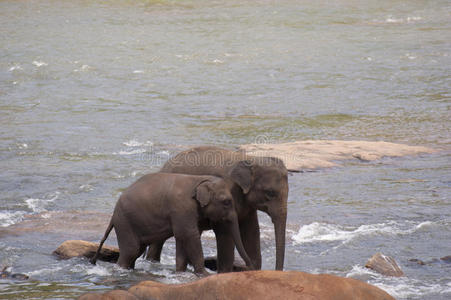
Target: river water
pixel 94 94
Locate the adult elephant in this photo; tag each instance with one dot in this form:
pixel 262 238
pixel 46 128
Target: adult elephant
pixel 260 183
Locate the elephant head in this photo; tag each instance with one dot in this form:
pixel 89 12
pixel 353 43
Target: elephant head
pixel 217 205
pixel 264 181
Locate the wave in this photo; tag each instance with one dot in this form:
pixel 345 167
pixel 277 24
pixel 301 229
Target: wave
pixel 400 287
pixel 135 143
pixel 133 147
pixel 39 205
pixel 39 63
pixel 36 205
pixel 45 271
pixel 8 218
pixel 324 232
pixel 130 152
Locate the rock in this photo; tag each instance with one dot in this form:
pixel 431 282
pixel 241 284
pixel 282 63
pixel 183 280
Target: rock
pixel 77 248
pixel 7 274
pixel 446 259
pixel 252 285
pixel 314 154
pixel 418 261
pixel 384 265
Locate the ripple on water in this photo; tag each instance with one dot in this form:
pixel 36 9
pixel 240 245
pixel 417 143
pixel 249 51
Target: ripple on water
pixel 324 232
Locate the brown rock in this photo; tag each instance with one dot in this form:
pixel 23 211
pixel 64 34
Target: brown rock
pixel 314 154
pixel 259 285
pixel 446 259
pixel 384 265
pixel 76 248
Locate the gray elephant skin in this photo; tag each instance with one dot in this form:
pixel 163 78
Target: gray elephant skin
pixel 159 206
pixel 259 183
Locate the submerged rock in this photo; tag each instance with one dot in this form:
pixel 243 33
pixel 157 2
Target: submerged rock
pixel 77 248
pixel 384 265
pixel 251 285
pixel 314 154
pixel 417 261
pixel 7 274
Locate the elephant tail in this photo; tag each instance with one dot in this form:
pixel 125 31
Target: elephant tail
pixel 107 233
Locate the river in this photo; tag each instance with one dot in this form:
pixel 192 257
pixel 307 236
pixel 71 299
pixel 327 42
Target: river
pixel 95 94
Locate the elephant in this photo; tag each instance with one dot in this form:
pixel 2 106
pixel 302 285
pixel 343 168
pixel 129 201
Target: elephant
pixel 259 183
pixel 160 205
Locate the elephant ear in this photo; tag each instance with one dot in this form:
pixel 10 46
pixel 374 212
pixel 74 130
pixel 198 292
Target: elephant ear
pixel 242 175
pixel 202 193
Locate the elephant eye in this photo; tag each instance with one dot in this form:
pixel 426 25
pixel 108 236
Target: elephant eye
pixel 271 193
pixel 227 203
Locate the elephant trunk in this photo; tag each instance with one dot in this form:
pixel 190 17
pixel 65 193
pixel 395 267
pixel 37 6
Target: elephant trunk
pixel 239 243
pixel 279 220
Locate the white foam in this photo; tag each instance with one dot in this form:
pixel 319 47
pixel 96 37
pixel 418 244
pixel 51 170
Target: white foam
pixel 406 288
pixel 324 232
pixel 83 68
pixel 98 270
pixel 131 152
pixel 16 67
pixel 399 287
pixel 39 63
pixel 146 147
pixel 164 153
pixel 132 143
pixel 8 218
pixel 359 271
pixel 39 205
pixel 135 143
pixel 138 71
pixel 391 19
pixel 44 271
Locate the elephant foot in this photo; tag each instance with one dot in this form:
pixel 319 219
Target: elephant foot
pixel 211 263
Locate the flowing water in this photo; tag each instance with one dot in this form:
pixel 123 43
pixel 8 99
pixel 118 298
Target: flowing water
pixel 94 94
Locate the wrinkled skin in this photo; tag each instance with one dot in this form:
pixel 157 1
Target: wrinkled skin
pixel 160 205
pixel 260 183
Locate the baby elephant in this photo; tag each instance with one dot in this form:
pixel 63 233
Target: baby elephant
pixel 161 205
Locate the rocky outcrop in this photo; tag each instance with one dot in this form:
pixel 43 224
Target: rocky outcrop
pixel 384 265
pixel 76 248
pixel 314 154
pixel 251 285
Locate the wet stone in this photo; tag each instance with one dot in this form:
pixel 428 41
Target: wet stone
pixel 384 265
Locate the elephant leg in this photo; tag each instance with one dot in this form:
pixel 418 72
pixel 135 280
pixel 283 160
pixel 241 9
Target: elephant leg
pixel 192 247
pixel 154 251
pixel 128 254
pixel 130 246
pixel 225 247
pixel 250 235
pixel 181 260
